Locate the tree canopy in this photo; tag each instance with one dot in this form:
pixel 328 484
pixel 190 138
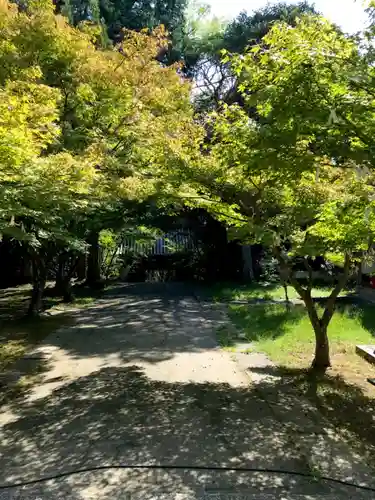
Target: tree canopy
pixel 215 79
pixel 82 127
pixel 115 15
pixel 299 178
pixel 99 136
pixel 130 14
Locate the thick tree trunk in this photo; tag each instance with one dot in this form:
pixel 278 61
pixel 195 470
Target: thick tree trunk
pixel 36 306
pixel 67 290
pixel 63 288
pixel 93 264
pixel 82 267
pixel 39 285
pixel 63 285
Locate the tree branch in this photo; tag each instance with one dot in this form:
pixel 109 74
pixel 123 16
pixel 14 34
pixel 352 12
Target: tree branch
pixel 354 128
pixel 330 304
pixel 286 269
pixel 212 201
pixel 253 183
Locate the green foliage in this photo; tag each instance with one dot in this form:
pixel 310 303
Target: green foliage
pixel 82 10
pixel 249 29
pixel 132 15
pixel 199 37
pixel 298 176
pixel 216 80
pixel 285 336
pixel 295 174
pixel 82 129
pixel 113 16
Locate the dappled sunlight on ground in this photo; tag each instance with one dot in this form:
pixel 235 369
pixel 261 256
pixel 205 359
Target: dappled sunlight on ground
pixel 119 415
pixel 343 395
pixel 139 379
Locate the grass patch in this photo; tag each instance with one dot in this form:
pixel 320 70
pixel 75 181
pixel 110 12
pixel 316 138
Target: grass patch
pixel 286 334
pixel 342 395
pixel 78 301
pixel 18 333
pixel 83 301
pixel 263 291
pixel 228 337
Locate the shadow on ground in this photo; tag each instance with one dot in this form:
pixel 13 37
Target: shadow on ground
pixel 227 292
pixel 18 334
pixel 19 373
pixel 144 322
pixel 263 321
pixel 120 416
pixel 117 414
pixel 343 405
pixel 127 323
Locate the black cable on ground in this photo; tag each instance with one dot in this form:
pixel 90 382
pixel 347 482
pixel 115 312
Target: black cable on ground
pixel 186 468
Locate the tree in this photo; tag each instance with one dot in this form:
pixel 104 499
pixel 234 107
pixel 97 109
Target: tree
pixel 115 15
pixel 78 11
pixel 83 129
pixel 249 29
pixel 215 78
pixel 199 35
pixel 300 178
pixel 134 15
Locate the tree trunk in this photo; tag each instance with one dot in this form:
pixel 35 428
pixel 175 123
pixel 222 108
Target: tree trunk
pixel 82 267
pixel 287 301
pixel 39 285
pixel 359 274
pixel 63 288
pixel 67 293
pixel 63 285
pixel 93 264
pixel 320 325
pixel 57 289
pixel 322 358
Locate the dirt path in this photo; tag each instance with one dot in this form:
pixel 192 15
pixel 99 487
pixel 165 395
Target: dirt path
pixel 140 380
